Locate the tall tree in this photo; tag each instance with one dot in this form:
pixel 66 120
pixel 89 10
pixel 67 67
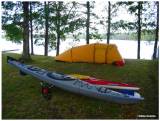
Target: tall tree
pixel 157 32
pixel 88 23
pixel 109 22
pixel 15 22
pixel 46 4
pixel 58 25
pixel 26 54
pixel 91 21
pixel 135 8
pixel 139 28
pixel 31 29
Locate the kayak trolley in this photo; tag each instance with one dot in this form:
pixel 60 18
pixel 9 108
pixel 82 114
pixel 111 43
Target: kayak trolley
pixel 46 90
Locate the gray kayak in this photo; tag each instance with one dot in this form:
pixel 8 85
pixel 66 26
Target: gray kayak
pixel 71 84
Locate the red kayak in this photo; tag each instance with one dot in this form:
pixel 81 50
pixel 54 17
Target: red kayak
pixel 111 84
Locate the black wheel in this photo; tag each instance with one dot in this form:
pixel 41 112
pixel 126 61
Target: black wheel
pixel 22 73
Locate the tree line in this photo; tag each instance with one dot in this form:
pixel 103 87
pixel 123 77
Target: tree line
pixel 53 21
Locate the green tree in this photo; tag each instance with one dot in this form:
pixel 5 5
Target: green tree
pixel 157 32
pixel 15 23
pixel 91 22
pixel 109 21
pixel 12 21
pixel 39 23
pixel 46 4
pixel 139 28
pixel 65 20
pixel 135 8
pixel 145 22
pixel 58 24
pixel 87 22
pixel 26 54
pixel 42 25
pixel 31 28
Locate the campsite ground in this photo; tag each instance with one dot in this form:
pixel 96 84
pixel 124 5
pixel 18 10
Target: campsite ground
pixel 21 96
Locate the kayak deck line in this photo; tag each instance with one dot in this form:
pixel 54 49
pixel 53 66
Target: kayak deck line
pixel 76 85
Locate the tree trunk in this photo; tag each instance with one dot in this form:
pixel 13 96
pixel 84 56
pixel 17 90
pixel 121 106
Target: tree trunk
pixel 32 53
pixel 46 28
pixel 139 28
pixel 58 27
pixel 157 32
pixel 26 55
pixel 109 22
pixel 87 23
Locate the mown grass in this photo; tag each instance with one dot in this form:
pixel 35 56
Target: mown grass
pixel 22 99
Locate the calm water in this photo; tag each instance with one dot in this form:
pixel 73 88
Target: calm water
pixel 127 48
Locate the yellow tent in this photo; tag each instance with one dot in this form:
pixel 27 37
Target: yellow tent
pixel 92 53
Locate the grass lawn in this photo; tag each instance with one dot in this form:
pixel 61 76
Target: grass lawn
pixel 22 99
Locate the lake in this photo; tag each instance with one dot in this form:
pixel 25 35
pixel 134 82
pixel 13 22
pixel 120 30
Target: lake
pixel 127 48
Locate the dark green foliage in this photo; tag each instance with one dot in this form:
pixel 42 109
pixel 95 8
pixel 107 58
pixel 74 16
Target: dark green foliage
pixel 124 25
pixel 8 7
pixel 15 23
pixel 11 21
pixel 13 33
pixel 95 35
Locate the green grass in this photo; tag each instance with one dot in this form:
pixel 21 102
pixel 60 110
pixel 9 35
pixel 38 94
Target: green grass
pixel 22 99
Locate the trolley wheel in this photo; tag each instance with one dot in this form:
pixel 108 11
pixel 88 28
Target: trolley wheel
pixel 22 73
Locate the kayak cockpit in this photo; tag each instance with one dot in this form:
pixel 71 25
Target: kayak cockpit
pixel 58 76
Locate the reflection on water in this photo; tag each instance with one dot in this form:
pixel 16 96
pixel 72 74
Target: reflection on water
pixel 127 48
